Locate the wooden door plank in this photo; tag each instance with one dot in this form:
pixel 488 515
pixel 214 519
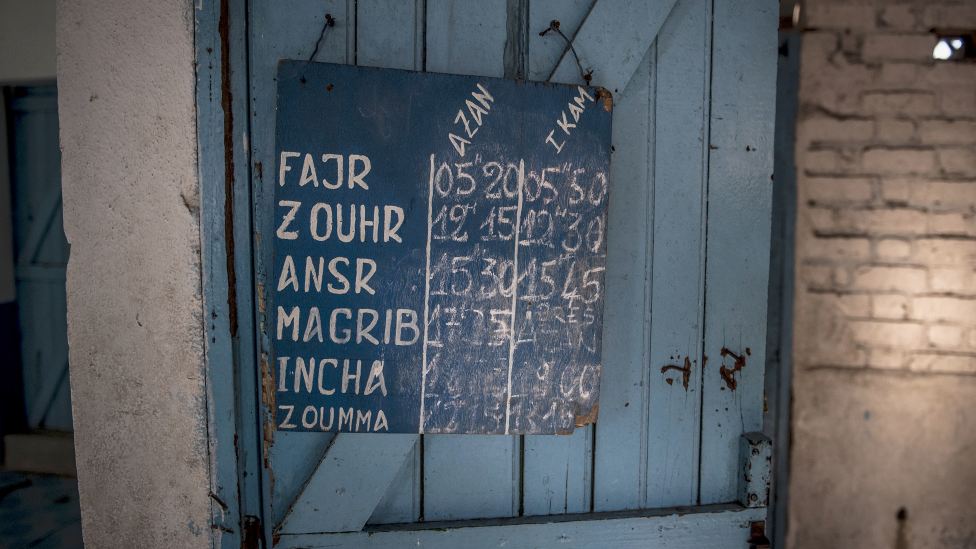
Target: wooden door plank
pixel 468 476
pixel 739 206
pixel 621 434
pixel 466 37
pixel 677 285
pixel 717 527
pixel 546 51
pixel 284 29
pixel 390 34
pixel 557 473
pixel 348 483
pixel 401 46
pixel 612 41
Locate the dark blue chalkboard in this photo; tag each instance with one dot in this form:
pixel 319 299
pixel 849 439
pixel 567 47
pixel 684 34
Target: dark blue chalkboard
pixel 439 251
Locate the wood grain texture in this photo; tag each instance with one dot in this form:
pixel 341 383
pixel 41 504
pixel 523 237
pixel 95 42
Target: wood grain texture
pixel 612 41
pixel 348 483
pixel 719 527
pixel 739 209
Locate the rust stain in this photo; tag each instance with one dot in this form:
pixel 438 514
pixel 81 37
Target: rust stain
pixel 603 93
pixel 259 168
pixel 262 308
pixel 268 397
pixel 728 374
pixel 583 421
pixel 223 28
pixel 564 432
pixel 685 372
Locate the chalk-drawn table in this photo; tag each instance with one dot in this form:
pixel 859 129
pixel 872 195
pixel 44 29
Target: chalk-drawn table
pixel 439 252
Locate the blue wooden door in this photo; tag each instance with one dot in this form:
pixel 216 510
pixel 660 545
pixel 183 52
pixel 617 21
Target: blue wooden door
pixel 685 313
pixel 41 256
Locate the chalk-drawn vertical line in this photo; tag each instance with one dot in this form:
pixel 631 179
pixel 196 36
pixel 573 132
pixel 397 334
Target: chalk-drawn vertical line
pixel 423 371
pixel 511 338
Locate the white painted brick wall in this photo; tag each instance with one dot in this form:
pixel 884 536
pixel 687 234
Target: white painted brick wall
pixel 884 358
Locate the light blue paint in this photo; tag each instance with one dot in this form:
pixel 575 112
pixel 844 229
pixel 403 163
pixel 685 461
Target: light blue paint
pixel 739 204
pixel 634 427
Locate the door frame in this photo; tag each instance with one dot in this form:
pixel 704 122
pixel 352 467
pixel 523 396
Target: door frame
pixel 233 303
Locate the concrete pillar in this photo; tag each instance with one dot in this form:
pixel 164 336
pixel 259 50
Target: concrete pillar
pixel 128 135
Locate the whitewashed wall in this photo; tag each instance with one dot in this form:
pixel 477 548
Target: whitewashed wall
pixel 884 392
pixel 126 100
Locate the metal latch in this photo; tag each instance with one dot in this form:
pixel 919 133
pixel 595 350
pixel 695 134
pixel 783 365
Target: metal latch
pixel 755 459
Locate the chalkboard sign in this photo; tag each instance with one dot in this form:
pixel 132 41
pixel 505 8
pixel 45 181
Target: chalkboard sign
pixel 439 252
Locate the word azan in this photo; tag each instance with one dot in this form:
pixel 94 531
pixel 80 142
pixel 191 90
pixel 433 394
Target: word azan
pixel 476 112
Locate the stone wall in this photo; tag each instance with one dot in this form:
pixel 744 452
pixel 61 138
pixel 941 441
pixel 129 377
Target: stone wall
pixel 884 392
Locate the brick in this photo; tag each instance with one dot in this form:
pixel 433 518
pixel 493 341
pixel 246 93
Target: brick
pixel 893 249
pixel 895 189
pixel 837 249
pixel 890 306
pixel 900 16
pixel 887 334
pixel 952 224
pixel 938 251
pixel 949 73
pixel 939 132
pixel 828 80
pixel 898 72
pixel 952 280
pixel 944 195
pixel 825 128
pixel 945 336
pixel 891 130
pixel 888 359
pixel 961 15
pixel 899 102
pixel 838 16
pixel 899 161
pixel 958 162
pixel 944 309
pixel 836 189
pixel 824 162
pixel 815 277
pixel 959 101
pixel 899 279
pixel 829 340
pixel 842 276
pixel 894 221
pixel 942 363
pixel 855 305
pixel 901 47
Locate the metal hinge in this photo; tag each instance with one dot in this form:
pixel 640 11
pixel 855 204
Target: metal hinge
pixel 757 538
pixel 252 533
pixel 755 455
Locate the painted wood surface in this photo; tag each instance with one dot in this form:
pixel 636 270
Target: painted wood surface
pixel 611 42
pixel 717 527
pixel 42 256
pixel 739 205
pixel 510 472
pixel 360 469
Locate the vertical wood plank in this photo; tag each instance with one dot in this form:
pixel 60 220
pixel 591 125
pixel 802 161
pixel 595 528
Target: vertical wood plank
pixel 557 471
pixel 739 206
pixel 557 474
pixel 285 29
pixel 390 33
pixel 619 476
pixel 677 301
pixel 469 476
pixel 466 37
